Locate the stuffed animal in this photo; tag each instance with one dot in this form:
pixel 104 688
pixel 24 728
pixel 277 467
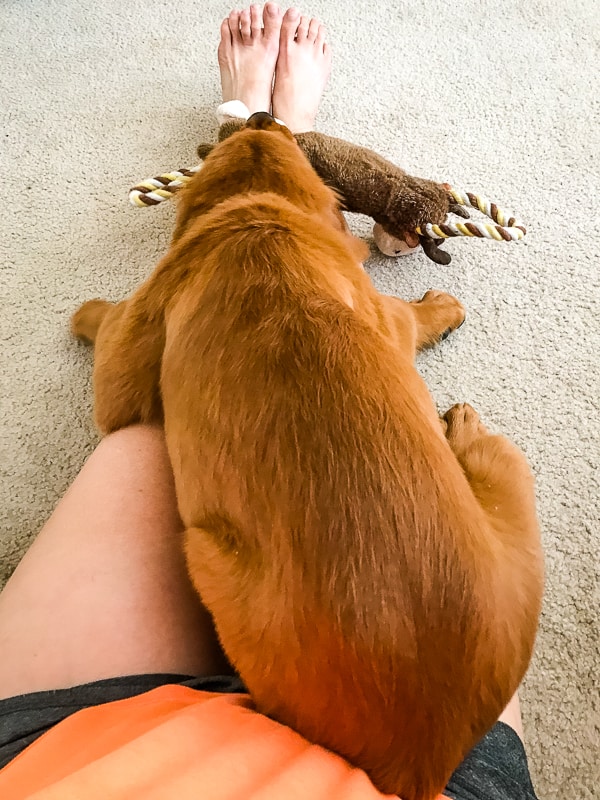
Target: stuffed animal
pixel 408 212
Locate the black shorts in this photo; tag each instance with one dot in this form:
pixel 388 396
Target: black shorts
pixel 496 768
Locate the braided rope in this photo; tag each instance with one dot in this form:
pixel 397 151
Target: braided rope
pixel 153 191
pixel 507 229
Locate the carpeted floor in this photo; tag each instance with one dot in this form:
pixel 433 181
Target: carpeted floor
pixel 499 99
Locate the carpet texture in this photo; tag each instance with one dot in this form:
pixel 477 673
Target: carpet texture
pixel 498 99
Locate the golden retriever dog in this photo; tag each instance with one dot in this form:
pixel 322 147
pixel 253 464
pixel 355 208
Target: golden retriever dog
pixel 374 572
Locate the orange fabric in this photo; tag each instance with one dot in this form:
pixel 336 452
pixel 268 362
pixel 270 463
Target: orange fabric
pixel 176 742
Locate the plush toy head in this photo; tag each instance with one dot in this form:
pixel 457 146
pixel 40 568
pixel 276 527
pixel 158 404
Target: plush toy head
pixel 390 245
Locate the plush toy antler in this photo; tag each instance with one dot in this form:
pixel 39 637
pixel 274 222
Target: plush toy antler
pixel 407 211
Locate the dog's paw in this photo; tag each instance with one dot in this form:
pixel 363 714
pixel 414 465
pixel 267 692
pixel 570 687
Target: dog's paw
pixel 446 313
pixel 463 426
pixel 86 321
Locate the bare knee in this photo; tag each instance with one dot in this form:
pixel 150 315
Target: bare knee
pixel 135 453
pixel 149 439
pixel 115 540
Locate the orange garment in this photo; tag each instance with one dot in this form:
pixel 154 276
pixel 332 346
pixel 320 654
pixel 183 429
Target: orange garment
pixel 178 743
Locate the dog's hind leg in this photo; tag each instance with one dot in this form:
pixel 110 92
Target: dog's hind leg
pixel 496 470
pixel 221 570
pixel 502 483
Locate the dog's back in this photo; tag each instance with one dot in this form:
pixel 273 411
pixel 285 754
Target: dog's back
pixel 331 531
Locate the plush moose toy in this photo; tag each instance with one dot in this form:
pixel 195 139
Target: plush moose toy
pixel 408 212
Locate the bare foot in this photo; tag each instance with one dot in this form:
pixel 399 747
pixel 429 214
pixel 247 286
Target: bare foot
pixel 247 55
pixel 302 71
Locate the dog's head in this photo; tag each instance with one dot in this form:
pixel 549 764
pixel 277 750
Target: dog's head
pixel 263 121
pixel 261 157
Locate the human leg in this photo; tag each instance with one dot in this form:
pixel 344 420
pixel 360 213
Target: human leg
pixel 512 716
pixel 302 71
pixel 103 591
pixel 247 55
pixel 256 50
pixel 495 769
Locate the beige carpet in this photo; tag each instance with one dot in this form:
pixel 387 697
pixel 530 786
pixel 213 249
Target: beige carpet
pixel 497 98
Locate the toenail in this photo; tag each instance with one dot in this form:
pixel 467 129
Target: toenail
pixel 293 13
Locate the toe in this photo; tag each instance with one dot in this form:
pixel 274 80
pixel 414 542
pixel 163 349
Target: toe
pixel 454 416
pixel 255 21
pixel 289 25
pixel 271 20
pixel 225 31
pixel 234 25
pixel 321 36
pixel 245 28
pixel 313 30
pixel 303 27
pixel 225 43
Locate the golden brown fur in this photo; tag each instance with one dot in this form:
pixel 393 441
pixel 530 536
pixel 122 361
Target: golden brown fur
pixel 374 573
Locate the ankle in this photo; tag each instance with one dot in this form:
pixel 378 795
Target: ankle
pixel 297 119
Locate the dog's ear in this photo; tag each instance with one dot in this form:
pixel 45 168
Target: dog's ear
pixel 204 149
pixel 227 129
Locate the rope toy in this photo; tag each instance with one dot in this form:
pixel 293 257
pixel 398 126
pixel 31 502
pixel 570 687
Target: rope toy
pixel 153 191
pixel 506 226
pixel 507 229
